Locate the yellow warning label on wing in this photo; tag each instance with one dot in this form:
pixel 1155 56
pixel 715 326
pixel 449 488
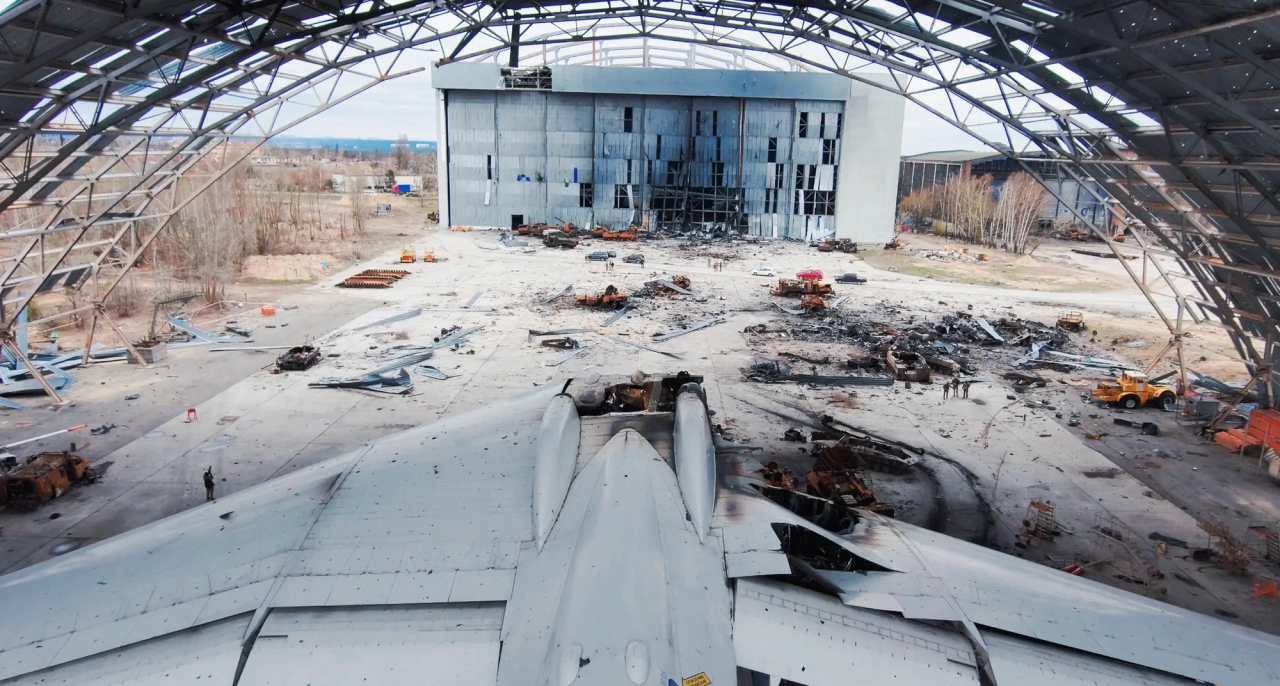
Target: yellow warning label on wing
pixel 699 679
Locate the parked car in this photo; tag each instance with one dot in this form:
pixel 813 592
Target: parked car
pixel 598 256
pixel 612 254
pixel 764 271
pixel 636 258
pixel 810 274
pixel 850 278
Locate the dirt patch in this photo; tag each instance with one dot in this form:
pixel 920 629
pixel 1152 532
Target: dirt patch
pixel 288 267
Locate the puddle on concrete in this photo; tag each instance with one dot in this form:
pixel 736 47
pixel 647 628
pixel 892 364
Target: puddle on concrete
pixel 215 447
pixel 155 434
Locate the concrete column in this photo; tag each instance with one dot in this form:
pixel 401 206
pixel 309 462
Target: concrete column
pixel 870 150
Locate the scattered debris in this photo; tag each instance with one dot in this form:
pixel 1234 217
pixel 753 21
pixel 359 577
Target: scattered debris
pixel 398 384
pixel 1147 428
pixel 374 278
pixel 1101 253
pixel 102 430
pixel 556 332
pixel 430 372
pixel 675 285
pixel 567 356
pixel 568 291
pixel 613 318
pixel 565 343
pixel 1168 540
pixel 377 379
pixel 690 328
pixel 299 358
pixel 475 297
pixel 644 347
pixel 390 320
pixel 765 370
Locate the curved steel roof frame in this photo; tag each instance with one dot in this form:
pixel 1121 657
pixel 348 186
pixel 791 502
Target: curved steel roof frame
pixel 115 115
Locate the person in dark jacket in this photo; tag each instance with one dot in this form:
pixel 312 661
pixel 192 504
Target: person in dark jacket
pixel 208 484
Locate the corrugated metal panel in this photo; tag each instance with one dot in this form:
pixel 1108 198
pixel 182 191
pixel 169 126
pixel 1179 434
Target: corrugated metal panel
pixel 582 139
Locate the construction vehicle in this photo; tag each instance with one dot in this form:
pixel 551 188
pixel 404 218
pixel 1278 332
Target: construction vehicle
pixel 44 477
pixel 407 254
pixel 1133 389
pixel 1071 321
pixel 842 244
pixel 610 297
pixel 794 288
pixel 429 255
pixel 541 229
pixel 625 235
pixel 681 282
pixel 812 303
pixel 559 239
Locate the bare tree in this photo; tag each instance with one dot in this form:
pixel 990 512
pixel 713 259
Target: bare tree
pixel 359 207
pixel 402 152
pixel 1017 211
pixel 964 201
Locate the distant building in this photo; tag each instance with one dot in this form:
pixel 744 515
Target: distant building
pixel 784 154
pixel 934 168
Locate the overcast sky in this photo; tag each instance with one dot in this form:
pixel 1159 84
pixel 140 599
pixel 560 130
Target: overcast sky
pixel 407 105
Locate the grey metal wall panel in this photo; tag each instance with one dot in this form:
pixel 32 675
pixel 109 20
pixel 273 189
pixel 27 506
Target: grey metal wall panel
pixel 541 147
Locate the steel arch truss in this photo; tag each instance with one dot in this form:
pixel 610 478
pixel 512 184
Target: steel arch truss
pixel 1170 107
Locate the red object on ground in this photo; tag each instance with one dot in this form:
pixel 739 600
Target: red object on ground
pixel 191 415
pixel 810 274
pixel 1074 569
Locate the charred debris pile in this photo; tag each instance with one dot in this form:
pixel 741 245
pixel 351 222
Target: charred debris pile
pixel 917 349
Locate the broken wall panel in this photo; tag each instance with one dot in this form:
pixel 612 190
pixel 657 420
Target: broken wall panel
pixel 757 155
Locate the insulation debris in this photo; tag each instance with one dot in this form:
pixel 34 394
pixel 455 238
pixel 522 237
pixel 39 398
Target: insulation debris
pixel 568 291
pixel 390 320
pixel 690 328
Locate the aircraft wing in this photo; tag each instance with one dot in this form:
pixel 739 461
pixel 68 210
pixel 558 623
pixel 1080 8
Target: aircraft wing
pixel 382 558
pixel 593 536
pixel 914 602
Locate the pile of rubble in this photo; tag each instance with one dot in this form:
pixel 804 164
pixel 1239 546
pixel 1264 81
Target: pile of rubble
pixel 915 350
pixel 961 255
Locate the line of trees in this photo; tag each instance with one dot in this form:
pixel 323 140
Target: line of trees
pixel 970 210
